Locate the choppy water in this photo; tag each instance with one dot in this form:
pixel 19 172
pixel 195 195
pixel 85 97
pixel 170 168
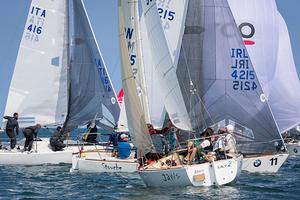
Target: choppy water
pixel 55 182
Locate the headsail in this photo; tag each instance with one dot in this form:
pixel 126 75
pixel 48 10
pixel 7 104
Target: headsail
pixel 136 119
pixel 91 93
pixel 217 79
pixel 164 67
pixel 38 86
pixel 268 43
pixel 172 15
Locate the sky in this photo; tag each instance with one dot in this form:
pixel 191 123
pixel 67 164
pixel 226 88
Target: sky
pixel 103 16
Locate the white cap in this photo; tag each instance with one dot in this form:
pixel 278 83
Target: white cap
pixel 123 136
pixel 229 128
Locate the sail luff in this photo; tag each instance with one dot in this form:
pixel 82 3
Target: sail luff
pixel 135 116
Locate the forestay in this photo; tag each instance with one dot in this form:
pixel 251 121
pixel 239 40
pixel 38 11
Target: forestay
pixel 135 115
pixel 217 79
pixel 91 93
pixel 267 40
pixel 38 89
pixel 164 67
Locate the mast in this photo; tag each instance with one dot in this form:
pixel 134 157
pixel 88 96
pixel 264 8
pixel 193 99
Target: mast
pixel 135 115
pixel 68 60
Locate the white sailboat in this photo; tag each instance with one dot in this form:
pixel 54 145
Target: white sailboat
pixel 219 172
pixel 243 14
pixel 99 160
pixel 57 80
pixel 293 141
pixel 267 40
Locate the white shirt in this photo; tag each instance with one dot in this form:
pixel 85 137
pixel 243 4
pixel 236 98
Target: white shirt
pixel 205 143
pixel 230 143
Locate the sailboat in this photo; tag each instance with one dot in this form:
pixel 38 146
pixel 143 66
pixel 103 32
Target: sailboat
pixel 59 78
pixel 243 12
pixel 216 173
pixel 267 40
pixel 293 141
pixel 99 160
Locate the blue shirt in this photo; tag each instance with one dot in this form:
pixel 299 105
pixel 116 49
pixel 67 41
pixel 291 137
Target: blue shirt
pixel 124 150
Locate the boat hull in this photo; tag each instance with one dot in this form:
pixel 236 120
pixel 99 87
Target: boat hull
pixel 207 174
pixel 107 164
pixel 98 161
pixel 41 154
pixel 264 163
pixel 293 148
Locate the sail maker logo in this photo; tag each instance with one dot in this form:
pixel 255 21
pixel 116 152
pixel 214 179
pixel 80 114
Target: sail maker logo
pixel 248 31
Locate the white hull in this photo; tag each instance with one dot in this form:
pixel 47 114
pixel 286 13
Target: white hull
pixel 293 148
pixel 264 163
pixel 207 174
pixel 99 162
pixel 40 154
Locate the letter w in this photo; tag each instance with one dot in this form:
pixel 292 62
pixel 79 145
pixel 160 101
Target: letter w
pixel 129 33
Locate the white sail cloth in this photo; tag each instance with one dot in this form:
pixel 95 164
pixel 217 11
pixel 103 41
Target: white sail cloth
pixel 134 111
pixel 267 40
pixel 38 86
pixel 50 85
pixel 164 67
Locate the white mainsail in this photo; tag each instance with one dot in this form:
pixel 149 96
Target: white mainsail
pixel 54 83
pixel 38 86
pixel 267 40
pixel 132 35
pixel 135 115
pixel 164 67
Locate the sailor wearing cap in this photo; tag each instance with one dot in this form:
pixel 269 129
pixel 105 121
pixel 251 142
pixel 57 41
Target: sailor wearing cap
pixel 124 148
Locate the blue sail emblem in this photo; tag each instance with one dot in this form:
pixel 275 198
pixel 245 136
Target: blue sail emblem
pixel 55 61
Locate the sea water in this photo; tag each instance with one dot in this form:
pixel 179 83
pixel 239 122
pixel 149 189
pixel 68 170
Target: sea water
pixel 56 182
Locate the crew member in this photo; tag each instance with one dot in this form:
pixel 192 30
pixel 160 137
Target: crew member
pixel 91 135
pixel 12 125
pixel 124 148
pixel 30 133
pixel 113 139
pixel 56 141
